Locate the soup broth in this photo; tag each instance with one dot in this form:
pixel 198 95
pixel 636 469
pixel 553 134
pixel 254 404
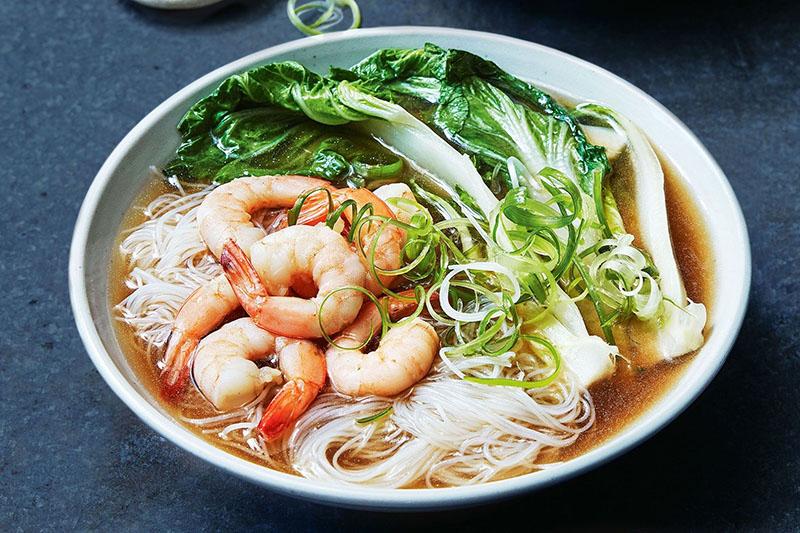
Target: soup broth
pixel 618 400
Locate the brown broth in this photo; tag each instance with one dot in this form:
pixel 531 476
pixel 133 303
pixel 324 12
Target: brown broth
pixel 631 391
pixel 619 400
pixel 192 404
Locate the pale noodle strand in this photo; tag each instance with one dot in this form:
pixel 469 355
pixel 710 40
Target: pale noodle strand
pixel 446 432
pixel 168 260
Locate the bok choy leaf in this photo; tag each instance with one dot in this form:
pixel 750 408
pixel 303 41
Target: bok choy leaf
pixel 277 119
pixel 483 110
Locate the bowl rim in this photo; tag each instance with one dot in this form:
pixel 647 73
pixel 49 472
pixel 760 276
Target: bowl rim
pixel 367 497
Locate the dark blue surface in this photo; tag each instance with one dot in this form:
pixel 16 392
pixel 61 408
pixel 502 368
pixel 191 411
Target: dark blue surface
pixel 75 76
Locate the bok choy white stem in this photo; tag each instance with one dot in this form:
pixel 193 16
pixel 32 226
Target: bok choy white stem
pixel 680 328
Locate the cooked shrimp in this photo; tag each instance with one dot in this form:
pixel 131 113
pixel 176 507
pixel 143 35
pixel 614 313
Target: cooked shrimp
pixel 227 211
pixel 200 314
pixel 403 357
pixel 305 374
pixel 298 256
pixel 388 249
pixel 223 366
pixel 225 372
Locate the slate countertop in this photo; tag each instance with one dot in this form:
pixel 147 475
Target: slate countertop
pixel 76 76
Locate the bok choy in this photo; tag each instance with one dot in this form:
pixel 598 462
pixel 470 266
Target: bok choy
pixel 679 329
pixel 520 188
pixel 500 120
pixel 277 119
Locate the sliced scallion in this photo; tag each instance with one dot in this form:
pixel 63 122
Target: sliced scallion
pixel 330 15
pixel 375 417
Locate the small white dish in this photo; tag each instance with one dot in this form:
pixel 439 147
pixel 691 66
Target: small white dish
pixel 177 4
pixel 124 174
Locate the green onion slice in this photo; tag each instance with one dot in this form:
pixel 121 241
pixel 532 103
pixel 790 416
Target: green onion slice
pixel 294 212
pixel 330 15
pixel 377 416
pixel 537 384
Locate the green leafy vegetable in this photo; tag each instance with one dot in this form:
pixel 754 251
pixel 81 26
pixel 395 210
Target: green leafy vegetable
pixel 483 110
pixel 277 119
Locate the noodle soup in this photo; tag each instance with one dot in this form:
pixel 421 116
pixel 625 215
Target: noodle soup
pixel 509 391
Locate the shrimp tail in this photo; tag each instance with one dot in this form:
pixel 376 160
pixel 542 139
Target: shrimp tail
pixel 407 303
pixel 249 289
pixel 291 402
pixel 176 364
pixel 315 210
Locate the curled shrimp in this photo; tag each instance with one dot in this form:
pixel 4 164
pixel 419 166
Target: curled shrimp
pixel 378 243
pixel 226 213
pixel 201 313
pixel 298 257
pixel 403 357
pixel 224 368
pixel 225 372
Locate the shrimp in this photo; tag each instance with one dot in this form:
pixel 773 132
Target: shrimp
pixel 388 250
pixel 201 313
pixel 223 367
pixel 396 190
pixel 298 256
pixel 403 357
pixel 225 372
pixel 224 214
pixel 305 371
pixel 227 211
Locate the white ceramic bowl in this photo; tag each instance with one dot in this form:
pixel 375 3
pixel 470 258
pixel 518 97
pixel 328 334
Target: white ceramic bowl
pixel 153 140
